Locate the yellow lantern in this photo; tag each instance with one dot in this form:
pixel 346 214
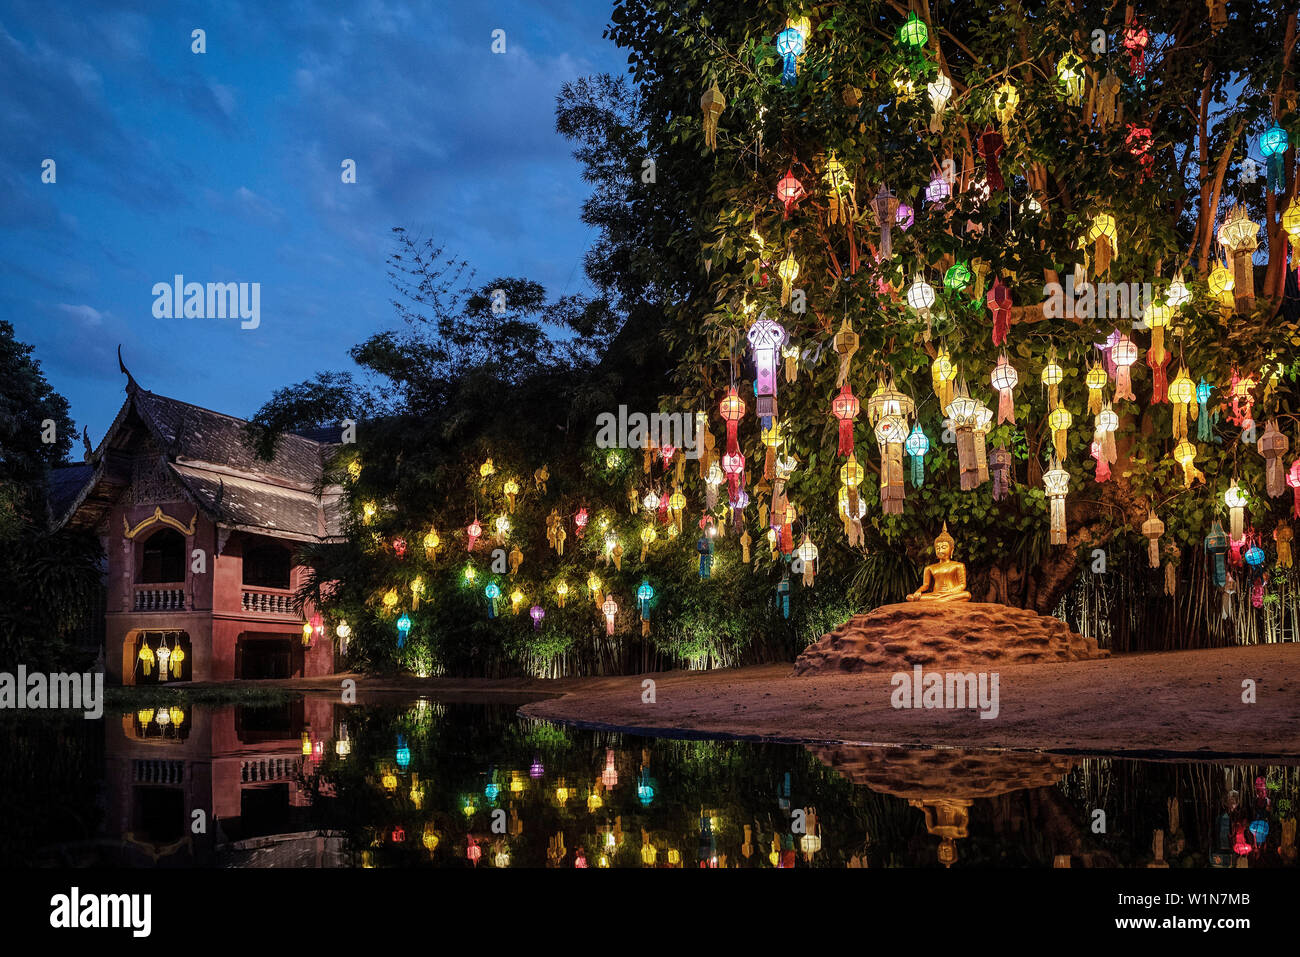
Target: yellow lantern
pixel 648 854
pixel 1157 316
pixel 561 592
pixel 1052 377
pixel 368 511
pixel 431 542
pixel 1059 421
pixel 1291 223
pixel 1104 236
pixel 1095 380
pixel 1185 455
pixel 1182 395
pixel 1005 99
pixel 648 536
pixel 943 373
pixel 516 599
pixel 789 272
pixel 807 553
pixel 486 469
pixel 1069 74
pixel 511 488
pixel 354 469
pixel 390 600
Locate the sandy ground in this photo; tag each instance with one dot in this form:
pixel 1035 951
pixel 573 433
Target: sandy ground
pixel 1172 704
pixel 1186 703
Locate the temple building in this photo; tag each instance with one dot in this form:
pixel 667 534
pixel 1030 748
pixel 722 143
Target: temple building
pixel 200 537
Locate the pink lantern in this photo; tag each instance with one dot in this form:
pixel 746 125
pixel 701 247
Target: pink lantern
pixel 766 337
pixel 1124 354
pixel 1005 378
pixel 473 533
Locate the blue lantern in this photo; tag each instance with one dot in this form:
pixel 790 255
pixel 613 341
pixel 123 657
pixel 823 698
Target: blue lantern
pixel 1216 547
pixel 705 547
pixel 491 791
pixel 403 629
pixel 783 594
pixel 1204 424
pixel 1254 556
pixel 1273 144
pixel 916 445
pixel 1259 831
pixel 493 593
pixel 789 43
pixel 645 789
pixel 403 753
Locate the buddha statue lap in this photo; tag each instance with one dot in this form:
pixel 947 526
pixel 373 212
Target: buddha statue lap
pixel 945 580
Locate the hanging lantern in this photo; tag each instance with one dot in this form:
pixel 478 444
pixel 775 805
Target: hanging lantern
pixel 1052 377
pixel 938 189
pixel 920 296
pixel 1291 224
pixel 1185 455
pixel 1005 99
pixel 580 520
pixel 1069 74
pixel 845 408
pixel 1254 557
pixel 1059 421
pixel 177 661
pixel 839 189
pixel 790 44
pixel 1273 445
pixel 648 535
pixel 146 657
pixel 390 600
pixel 1096 380
pixel 403 629
pixel 990 146
pixel 1239 236
pixel 1182 394
pixel 962 412
pixel 807 553
pixel 417 592
pixel 999 302
pixel 1135 42
pixel 771 438
pixel 473 532
pixel 1220 284
pixel 789 191
pixel 957 277
pixel 1283 535
pixel 1203 425
pixel 913 34
pixel 732 408
pixel 1001 469
pixel 1236 500
pixel 431 542
pixel 940 90
pixel 943 373
pixel 1273 144
pixel 1293 479
pixel 676 503
pixel 734 467
pixel 500 529
pixel 789 272
pixel 1104 236
pixel 1153 528
pixel 1124 354
pixel 1216 548
pixel 537 613
pixel 1004 380
pixel 1056 481
pixel 561 592
pixel 904 217
pixel 644 595
pixel 306 634
pixel 1103 441
pixel 712 480
pixel 511 490
pixel 851 476
pixel 790 357
pixel 516 599
pixel 885 206
pixel 916 446
pixel 712 103
pixel 891 432
pixel 846 344
pixel 492 591
pixel 765 339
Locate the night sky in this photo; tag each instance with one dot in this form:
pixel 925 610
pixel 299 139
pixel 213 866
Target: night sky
pixel 225 167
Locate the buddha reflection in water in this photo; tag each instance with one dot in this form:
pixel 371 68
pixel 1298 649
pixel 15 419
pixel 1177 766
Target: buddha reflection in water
pixel 945 580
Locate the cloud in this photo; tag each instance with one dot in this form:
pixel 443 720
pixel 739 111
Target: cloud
pixel 87 316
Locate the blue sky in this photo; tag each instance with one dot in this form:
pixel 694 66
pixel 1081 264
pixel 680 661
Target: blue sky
pixel 225 166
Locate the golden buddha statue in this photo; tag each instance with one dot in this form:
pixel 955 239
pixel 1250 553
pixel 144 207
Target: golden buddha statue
pixel 945 580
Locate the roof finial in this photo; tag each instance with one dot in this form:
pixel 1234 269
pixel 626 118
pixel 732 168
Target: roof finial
pixel 131 384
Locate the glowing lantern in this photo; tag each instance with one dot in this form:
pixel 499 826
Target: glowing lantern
pixel 732 408
pixel 610 608
pixel 1069 73
pixel 1239 236
pixel 851 476
pixel 789 272
pixel 766 338
pixel 403 754
pixel 1254 556
pixel 516 599
pixel 537 613
pixel 1273 445
pixel 1185 455
pixel 486 469
pixel 789 44
pixel 1216 548
pixel 807 553
pixel 789 191
pixel 962 411
pixel 1273 144
pixel 940 90
pixel 354 469
pixel 920 296
pixel 1204 424
pixel 916 446
pixel 306 634
pixel 885 205
pixel 648 536
pixel 999 302
pixel 1124 354
pixel 1095 380
pixel 1056 481
pixel 1004 380
pixel 676 503
pixel 1283 535
pixel 712 103
pixel 511 489
pixel 1059 421
pixel 734 467
pixel 943 373
pixel 561 592
pixel 846 344
pixel 470 574
pixel 1153 528
pixel 1236 500
pixel 651 501
pixel 938 189
pixel 845 408
pixel 957 277
pixel 1291 223
pixel 147 658
pixel 1135 42
pixel 644 595
pixel 704 547
pixel 838 185
pixel 1005 99
pixel 1104 236
pixel 403 629
pixel 501 528
pixel 390 599
pixel 431 543
pixel 344 630
pixel 492 591
pixel 368 511
pixel 891 432
pixel 1051 377
pixel 905 216
pixel 1182 394
pixel 473 532
pixel 712 480
pixel 913 33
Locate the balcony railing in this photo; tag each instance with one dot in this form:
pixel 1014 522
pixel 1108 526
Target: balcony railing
pixel 267 769
pixel 267 602
pixel 158 772
pixel 153 598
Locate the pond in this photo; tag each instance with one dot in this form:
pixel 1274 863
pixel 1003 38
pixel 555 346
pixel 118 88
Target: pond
pixel 425 783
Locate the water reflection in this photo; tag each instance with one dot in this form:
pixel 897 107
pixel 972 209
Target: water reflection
pixel 315 783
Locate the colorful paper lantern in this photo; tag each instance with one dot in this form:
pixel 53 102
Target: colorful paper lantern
pixel 916 445
pixel 766 337
pixel 403 629
pixel 790 45
pixel 1216 549
pixel 537 613
pixel 1004 380
pixel 789 191
pixel 1056 482
pixel 1273 143
pixel 913 34
pixel 1237 500
pixel 845 408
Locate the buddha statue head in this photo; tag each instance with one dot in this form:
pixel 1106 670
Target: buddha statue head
pixel 944 545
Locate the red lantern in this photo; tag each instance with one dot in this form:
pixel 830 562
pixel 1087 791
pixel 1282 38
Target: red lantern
pixel 1293 479
pixel 1138 141
pixel 734 466
pixel 789 191
pixel 473 532
pixel 1136 40
pixel 845 407
pixel 399 546
pixel 990 147
pixel 580 521
pixel 999 303
pixel 733 410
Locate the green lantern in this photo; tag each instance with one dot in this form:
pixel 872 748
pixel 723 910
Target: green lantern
pixel 914 32
pixel 958 277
